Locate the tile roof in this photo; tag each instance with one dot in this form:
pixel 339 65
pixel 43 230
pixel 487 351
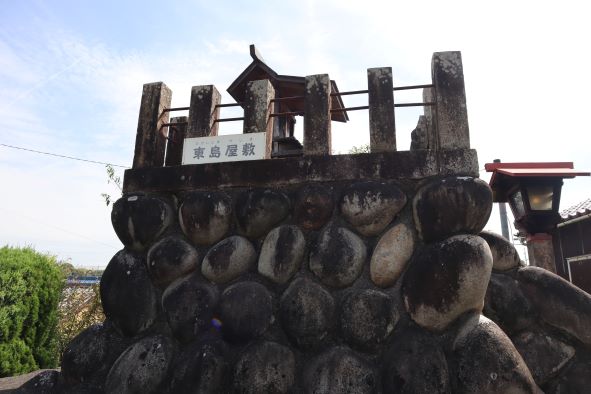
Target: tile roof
pixel 580 209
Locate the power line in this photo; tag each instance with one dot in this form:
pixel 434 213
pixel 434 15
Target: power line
pixel 58 228
pixel 62 156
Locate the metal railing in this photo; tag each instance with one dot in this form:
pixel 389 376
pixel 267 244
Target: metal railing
pixel 301 113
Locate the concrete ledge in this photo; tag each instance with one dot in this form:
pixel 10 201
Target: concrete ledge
pixel 400 165
pixel 8 385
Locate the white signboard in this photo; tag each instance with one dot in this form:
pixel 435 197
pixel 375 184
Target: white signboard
pixel 238 147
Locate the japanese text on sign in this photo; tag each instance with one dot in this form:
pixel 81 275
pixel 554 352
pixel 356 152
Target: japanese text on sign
pixel 223 148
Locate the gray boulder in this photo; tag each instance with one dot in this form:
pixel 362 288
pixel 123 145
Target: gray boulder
pixel 450 206
pixel 246 311
pixel 128 298
pixel 282 253
pixel 505 256
pixel 313 207
pixel 307 312
pixel 446 280
pixel 415 363
pixel 370 206
pixel 559 303
pixel 205 217
pixel 544 355
pixel 339 370
pixel 258 211
pixel 142 368
pixel 487 362
pixel 228 259
pixel 139 220
pixel 190 304
pixel 264 367
pixel 391 255
pixel 338 256
pixel 169 259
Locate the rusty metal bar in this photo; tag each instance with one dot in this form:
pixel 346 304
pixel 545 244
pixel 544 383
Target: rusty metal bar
pixel 229 119
pixel 428 104
pixel 350 108
pixel 349 93
pixel 173 124
pixel 165 110
pixel 294 113
pixel 287 98
pixel 412 87
pixel 228 105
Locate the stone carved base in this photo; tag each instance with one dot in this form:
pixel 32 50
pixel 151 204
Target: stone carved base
pixel 327 287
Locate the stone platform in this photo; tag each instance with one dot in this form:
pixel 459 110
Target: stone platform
pixel 325 286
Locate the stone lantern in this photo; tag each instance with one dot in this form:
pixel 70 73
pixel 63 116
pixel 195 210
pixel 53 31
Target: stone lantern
pixel 533 193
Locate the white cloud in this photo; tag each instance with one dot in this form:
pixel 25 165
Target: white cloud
pixel 525 68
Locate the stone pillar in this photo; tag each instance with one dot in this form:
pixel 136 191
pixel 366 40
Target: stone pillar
pixel 257 110
pixel 149 140
pixel 451 114
pixel 541 251
pixel 203 111
pixel 382 128
pixel 430 115
pixel 176 137
pixel 317 102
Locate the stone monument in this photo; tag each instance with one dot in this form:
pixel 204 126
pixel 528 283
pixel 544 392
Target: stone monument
pixel 306 272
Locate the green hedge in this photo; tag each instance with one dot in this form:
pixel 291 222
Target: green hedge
pixel 30 289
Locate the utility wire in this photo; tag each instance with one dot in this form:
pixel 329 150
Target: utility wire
pixel 59 228
pixel 62 156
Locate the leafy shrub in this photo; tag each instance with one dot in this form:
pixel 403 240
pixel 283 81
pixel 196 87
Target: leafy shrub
pixel 30 288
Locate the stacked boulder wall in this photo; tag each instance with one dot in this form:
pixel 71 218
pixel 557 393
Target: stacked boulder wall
pixel 326 286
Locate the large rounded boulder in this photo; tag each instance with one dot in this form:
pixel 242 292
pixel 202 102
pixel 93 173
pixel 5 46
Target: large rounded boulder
pixel 559 303
pixel 190 304
pixel 313 207
pixel 200 367
pixel 282 253
pixel 139 220
pixel 228 259
pixel 205 217
pixel 446 280
pixel 128 297
pixel 340 371
pixel 487 362
pixel 450 206
pixel 391 255
pixel 367 318
pixel 337 257
pixel 265 367
pixel 91 353
pixel 307 312
pixel 370 206
pixel 415 363
pixel 505 256
pixel 169 259
pixel 258 211
pixel 246 310
pixel 142 367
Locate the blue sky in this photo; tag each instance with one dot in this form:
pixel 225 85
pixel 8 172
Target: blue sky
pixel 71 74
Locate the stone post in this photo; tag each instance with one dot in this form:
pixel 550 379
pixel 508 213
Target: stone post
pixel 176 137
pixel 541 251
pixel 382 128
pixel 257 110
pixel 317 102
pixel 451 114
pixel 203 111
pixel 149 140
pixel 430 115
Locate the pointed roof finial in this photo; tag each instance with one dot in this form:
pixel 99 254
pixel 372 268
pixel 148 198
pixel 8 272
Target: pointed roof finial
pixel 255 54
